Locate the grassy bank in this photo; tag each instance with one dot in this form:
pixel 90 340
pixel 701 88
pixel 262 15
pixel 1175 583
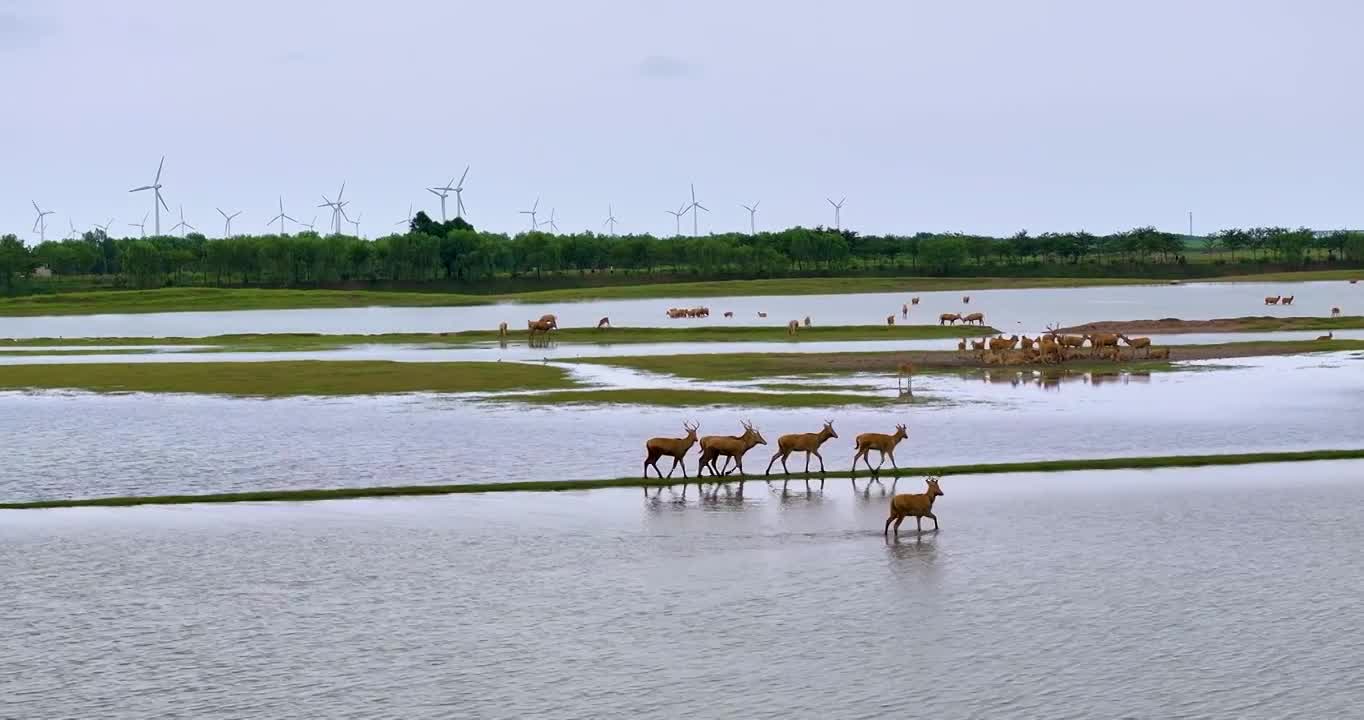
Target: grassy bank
pixel 1167 461
pixel 275 379
pixel 1261 323
pixel 282 342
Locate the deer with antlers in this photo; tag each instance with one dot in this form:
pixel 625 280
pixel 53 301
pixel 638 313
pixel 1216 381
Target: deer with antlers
pixel 915 505
pixel 948 318
pixel 974 318
pixel 807 443
pixel 675 448
pixel 732 447
pixel 882 443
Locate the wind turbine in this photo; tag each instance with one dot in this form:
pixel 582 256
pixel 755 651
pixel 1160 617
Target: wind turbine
pixel 459 194
pixel 105 227
pixel 677 215
pixel 610 219
pixel 182 226
pixel 158 202
pixel 355 222
pixel 752 211
pixel 73 234
pixel 553 226
pixel 531 213
pixel 838 206
pixel 408 221
pixel 141 226
pixel 312 226
pixel 694 207
pixel 337 213
pixel 227 221
pixel 40 224
pixel 281 217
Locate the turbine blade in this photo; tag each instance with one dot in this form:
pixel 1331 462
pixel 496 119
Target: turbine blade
pixel 163 201
pixel 433 192
pixel 139 189
pixel 158 170
pixel 461 177
pixel 756 204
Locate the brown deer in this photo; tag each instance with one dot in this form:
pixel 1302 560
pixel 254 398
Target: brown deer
pixel 1004 343
pixel 1287 300
pixel 675 448
pixel 973 318
pixel 604 323
pixel 1159 354
pixel 807 321
pixel 1272 300
pixel 1027 342
pixel 729 313
pixel 502 329
pixel 914 301
pixel 966 299
pixel 1137 343
pixel 905 371
pixel 552 320
pixel 1327 337
pixel 882 443
pixel 961 345
pixel 807 443
pixel 1335 312
pixel 1101 340
pixel 949 318
pixel 977 344
pixel 915 505
pixel 762 314
pixel 539 326
pixel 732 447
pixel 792 327
pixel 890 319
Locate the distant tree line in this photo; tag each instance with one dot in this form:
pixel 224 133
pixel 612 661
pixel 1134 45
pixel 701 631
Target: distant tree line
pixel 454 252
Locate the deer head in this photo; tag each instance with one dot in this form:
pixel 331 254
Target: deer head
pixel 691 429
pixel 933 489
pixel 901 431
pixel 752 436
pixel 828 431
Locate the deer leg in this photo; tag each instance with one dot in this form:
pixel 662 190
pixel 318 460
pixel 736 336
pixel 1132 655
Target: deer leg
pixel 935 521
pixel 919 522
pixel 898 520
pixel 771 462
pixel 886 531
pixel 674 467
pixel 892 461
pixel 821 463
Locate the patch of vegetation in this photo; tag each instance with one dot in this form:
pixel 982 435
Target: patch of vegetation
pixel 1129 463
pixel 277 379
pixel 701 398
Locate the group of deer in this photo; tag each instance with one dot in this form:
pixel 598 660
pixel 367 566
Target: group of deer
pixel 1053 348
pixel 1279 300
pixel 904 309
pixel 734 447
pixel 696 312
pixel 974 318
pixel 793 326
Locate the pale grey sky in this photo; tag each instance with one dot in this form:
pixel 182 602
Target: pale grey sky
pixel 971 116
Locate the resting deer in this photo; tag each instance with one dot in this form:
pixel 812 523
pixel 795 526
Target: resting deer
pixel 948 318
pixel 1159 354
pixel 807 443
pixel 890 319
pixel 915 505
pixel 792 327
pixel 1137 343
pixel 882 443
pixel 604 323
pixel 1327 337
pixel 974 318
pixel 675 448
pixel 1287 300
pixel 1335 312
pixel 502 329
pixel 732 447
pixel 1272 300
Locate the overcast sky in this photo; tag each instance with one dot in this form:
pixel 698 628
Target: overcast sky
pixel 971 116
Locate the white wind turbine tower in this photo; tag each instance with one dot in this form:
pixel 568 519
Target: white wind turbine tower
pixel 838 207
pixel 40 224
pixel 158 202
pixel 73 234
pixel 227 221
pixel 141 226
pixel 182 226
pixel 442 193
pixel 337 214
pixel 531 212
pixel 610 219
pixel 282 216
pixel 408 222
pixel 355 222
pixel 677 216
pixel 694 207
pixel 752 212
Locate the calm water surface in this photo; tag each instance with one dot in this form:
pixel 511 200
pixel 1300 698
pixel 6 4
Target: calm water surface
pixel 1214 593
pixel 1009 310
pixel 62 445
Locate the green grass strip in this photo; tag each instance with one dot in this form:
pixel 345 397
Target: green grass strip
pixel 1130 463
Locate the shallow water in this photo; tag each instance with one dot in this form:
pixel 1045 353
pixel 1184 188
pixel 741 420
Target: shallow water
pixel 1211 593
pixel 61 444
pixel 1008 310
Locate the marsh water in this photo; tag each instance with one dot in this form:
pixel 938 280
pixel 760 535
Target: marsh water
pixel 1210 593
pixel 1008 310
pixel 70 444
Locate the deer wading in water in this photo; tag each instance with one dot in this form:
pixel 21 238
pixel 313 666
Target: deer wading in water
pixel 916 505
